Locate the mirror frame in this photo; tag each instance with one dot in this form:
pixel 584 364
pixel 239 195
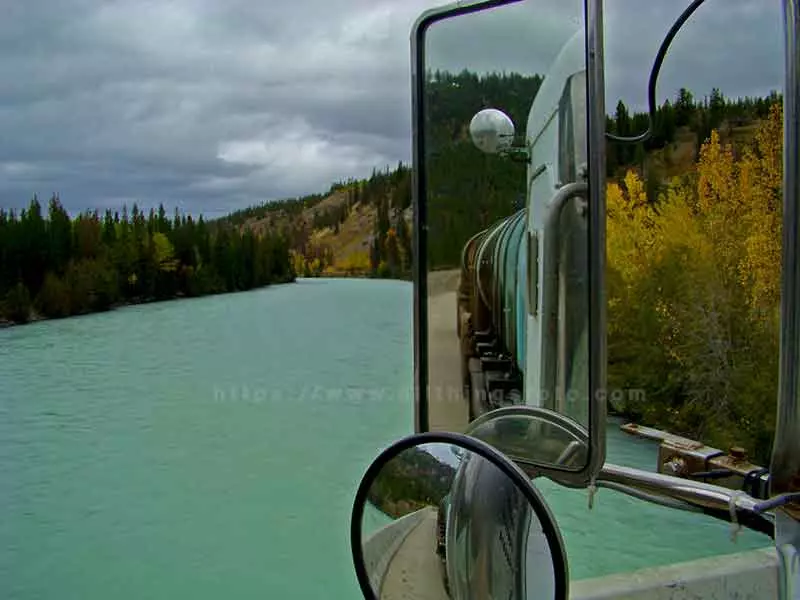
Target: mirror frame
pixel 530 468
pixel 484 450
pixel 596 153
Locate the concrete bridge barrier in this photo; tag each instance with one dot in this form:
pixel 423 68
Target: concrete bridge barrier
pixel 746 576
pixel 381 547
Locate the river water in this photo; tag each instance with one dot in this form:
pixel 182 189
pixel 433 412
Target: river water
pixel 212 447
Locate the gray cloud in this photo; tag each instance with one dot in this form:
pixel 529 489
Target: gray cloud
pixel 213 106
pixel 523 37
pixel 735 45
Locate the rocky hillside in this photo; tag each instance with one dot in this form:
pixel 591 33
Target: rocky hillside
pixel 359 228
pixel 337 248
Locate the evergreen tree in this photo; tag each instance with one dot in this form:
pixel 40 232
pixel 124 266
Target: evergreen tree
pixel 60 266
pixel 684 108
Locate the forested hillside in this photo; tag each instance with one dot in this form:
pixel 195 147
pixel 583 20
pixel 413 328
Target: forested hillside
pixel 410 481
pixel 359 228
pixel 363 227
pixel 467 189
pixel 55 266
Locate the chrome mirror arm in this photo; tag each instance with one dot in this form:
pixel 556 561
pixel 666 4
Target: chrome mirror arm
pixel 733 506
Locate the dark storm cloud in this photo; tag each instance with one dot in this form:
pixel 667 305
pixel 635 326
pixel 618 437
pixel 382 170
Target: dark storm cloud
pixel 214 105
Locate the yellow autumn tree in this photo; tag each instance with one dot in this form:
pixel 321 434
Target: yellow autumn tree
pixel 164 253
pixel 298 262
pixel 354 263
pixel 694 290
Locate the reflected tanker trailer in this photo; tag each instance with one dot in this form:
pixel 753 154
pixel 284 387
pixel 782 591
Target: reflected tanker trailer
pixel 521 309
pixel 488 538
pixel 490 316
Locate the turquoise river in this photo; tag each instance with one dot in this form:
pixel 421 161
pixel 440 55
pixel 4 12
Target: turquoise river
pixel 210 448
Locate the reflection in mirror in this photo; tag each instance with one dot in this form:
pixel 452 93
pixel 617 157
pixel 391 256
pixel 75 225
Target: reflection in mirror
pixel 532 436
pixel 443 522
pixel 507 226
pixel 492 130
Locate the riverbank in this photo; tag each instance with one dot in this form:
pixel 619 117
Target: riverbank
pixel 439 281
pixel 396 509
pixel 332 273
pixel 35 316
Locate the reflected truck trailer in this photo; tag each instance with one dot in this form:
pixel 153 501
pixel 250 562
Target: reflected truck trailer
pixel 523 290
pixel 493 540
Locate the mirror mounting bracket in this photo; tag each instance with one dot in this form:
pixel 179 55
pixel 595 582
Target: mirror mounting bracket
pixel 520 154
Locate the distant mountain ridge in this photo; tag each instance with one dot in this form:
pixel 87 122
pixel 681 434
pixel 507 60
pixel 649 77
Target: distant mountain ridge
pixel 363 227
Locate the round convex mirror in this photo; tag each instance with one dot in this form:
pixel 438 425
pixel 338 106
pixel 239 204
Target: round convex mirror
pixel 492 130
pixel 444 516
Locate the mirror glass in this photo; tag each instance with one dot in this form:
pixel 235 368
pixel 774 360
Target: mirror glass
pixel 491 130
pixel 507 231
pixel 532 436
pixel 442 522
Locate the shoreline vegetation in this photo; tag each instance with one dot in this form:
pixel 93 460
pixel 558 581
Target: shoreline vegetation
pixel 54 266
pixel 36 317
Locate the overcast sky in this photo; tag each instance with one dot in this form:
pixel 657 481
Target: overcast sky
pixel 213 105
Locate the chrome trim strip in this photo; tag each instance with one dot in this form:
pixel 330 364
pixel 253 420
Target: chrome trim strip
pixel 550 325
pixel 785 465
pixel 597 238
pixel 532 269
